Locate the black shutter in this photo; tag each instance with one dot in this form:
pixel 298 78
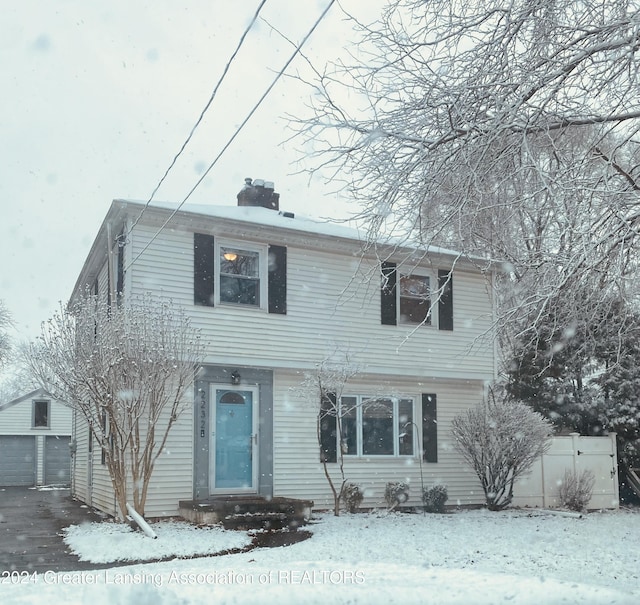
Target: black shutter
pixel 277 282
pixel 445 304
pixel 120 270
pixel 203 269
pixel 388 314
pixel 429 428
pixel 328 428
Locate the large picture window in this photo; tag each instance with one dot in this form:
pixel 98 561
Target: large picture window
pixel 377 426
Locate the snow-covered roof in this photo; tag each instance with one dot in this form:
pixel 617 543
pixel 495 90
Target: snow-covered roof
pixel 255 215
pixel 272 218
pixel 37 394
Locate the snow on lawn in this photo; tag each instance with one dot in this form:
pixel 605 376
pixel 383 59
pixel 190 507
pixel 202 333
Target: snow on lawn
pixel 478 557
pixel 109 542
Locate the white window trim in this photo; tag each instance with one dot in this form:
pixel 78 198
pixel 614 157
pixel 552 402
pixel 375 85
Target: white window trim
pixel 263 255
pixel 433 310
pixel 396 429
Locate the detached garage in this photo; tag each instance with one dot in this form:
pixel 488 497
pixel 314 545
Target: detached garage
pixel 35 432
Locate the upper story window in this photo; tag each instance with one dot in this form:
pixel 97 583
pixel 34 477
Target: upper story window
pixel 415 298
pixel 239 273
pixel 41 414
pixel 240 276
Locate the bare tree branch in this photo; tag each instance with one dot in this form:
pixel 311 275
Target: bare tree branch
pixel 127 370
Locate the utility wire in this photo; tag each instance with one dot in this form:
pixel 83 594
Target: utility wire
pixel 206 108
pixel 238 130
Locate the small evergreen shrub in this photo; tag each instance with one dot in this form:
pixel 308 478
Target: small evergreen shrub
pixel 434 498
pixel 576 490
pixel 352 496
pixel 396 493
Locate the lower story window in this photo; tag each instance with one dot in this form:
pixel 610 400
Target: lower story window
pixel 377 426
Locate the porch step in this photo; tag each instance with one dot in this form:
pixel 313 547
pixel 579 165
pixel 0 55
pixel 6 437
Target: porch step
pixel 248 512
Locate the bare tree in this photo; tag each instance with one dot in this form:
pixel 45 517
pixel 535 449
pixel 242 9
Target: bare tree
pixel 500 439
pixel 505 129
pixel 5 344
pixel 16 379
pixel 324 388
pixel 127 370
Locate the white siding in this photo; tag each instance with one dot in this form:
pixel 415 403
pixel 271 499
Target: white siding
pixel 18 419
pixel 172 478
pixel 299 473
pixel 80 463
pixel 331 305
pixel 103 283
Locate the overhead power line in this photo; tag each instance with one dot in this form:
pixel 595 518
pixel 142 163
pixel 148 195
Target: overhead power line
pixel 206 108
pixel 238 130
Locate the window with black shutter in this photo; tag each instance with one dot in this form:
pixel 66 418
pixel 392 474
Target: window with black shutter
pixel 388 302
pixel 120 270
pixel 445 302
pixel 277 280
pixel 429 428
pixel 203 269
pixel 239 273
pixel 328 428
pixel 408 298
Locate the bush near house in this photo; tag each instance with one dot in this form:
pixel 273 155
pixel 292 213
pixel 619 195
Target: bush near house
pixel 500 439
pixel 352 496
pixel 396 493
pixel 434 498
pixel 575 491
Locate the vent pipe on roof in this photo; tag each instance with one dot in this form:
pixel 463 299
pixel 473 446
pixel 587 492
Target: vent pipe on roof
pixel 259 193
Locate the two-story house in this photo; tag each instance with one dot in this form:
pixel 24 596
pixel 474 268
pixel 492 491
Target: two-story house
pixel 276 295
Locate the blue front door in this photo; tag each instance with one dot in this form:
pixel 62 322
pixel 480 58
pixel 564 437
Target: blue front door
pixel 234 439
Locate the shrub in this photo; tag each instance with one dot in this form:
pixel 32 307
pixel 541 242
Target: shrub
pixel 434 498
pixel 396 493
pixel 352 496
pixel 575 491
pixel 500 439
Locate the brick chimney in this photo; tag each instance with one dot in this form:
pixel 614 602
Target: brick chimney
pixel 259 193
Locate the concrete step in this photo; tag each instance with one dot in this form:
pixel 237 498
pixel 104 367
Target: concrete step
pixel 248 512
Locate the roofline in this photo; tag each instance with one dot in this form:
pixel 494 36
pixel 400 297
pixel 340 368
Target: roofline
pixel 385 248
pixel 32 395
pixel 98 252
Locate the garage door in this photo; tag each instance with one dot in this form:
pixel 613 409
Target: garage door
pixel 17 460
pixel 57 460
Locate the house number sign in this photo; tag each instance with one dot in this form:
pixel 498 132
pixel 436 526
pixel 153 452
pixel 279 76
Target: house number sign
pixel 203 414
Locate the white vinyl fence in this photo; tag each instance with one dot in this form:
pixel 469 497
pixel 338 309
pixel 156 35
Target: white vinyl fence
pixel 540 487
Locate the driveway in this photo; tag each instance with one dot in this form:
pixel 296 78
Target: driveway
pixel 31 522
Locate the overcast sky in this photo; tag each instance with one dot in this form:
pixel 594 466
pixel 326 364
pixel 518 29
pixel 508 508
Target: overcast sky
pixel 98 97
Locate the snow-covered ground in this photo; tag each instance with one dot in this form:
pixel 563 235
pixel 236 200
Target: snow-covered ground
pixel 470 557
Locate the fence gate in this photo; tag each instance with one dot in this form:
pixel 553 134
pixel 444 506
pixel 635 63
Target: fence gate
pixel 577 453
